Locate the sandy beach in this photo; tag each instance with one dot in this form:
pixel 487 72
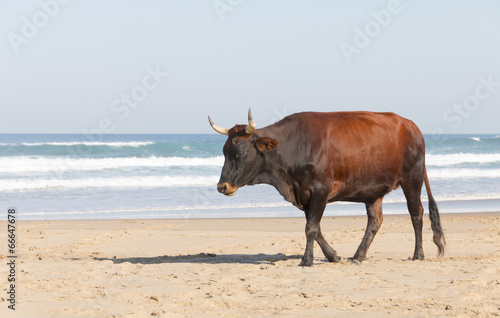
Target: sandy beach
pixel 249 268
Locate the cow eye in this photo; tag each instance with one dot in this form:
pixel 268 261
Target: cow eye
pixel 237 156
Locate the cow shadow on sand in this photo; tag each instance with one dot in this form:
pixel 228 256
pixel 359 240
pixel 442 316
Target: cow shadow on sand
pixel 205 258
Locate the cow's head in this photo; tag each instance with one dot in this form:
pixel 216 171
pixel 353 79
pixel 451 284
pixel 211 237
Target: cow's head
pixel 244 153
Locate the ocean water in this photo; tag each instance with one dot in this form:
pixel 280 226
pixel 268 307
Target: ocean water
pixel 56 177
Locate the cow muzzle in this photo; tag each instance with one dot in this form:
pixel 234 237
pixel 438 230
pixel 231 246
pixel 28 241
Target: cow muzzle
pixel 226 188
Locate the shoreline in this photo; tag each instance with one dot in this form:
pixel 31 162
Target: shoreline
pixel 399 215
pixel 249 267
pixel 286 211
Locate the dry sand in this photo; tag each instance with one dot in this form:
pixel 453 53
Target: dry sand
pixel 249 268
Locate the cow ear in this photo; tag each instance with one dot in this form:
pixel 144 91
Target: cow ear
pixel 266 143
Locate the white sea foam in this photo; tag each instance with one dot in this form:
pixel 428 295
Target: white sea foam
pixel 42 165
pixel 144 182
pixel 439 198
pixel 461 158
pixel 173 208
pixel 133 144
pixel 26 184
pixel 463 173
pixel 60 164
pixel 26 164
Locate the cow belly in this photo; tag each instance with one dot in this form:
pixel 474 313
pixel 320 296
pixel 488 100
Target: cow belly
pixel 365 191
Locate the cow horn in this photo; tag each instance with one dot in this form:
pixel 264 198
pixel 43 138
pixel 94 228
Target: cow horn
pixel 220 130
pixel 251 124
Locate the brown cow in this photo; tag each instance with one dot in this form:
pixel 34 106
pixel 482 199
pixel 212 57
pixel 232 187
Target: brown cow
pixel 316 158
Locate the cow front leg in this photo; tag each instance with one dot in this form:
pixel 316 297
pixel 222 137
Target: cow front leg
pixel 375 219
pixel 314 212
pixel 311 232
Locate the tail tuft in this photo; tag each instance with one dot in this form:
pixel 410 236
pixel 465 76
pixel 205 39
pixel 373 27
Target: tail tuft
pixel 438 237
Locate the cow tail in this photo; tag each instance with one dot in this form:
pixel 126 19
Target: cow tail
pixel 438 237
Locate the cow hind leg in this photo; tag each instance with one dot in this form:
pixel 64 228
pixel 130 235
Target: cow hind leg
pixel 375 218
pixel 329 252
pixel 412 191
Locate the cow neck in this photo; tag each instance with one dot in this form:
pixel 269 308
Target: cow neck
pixel 277 161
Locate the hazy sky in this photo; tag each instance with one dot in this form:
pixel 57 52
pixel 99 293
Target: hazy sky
pixel 121 66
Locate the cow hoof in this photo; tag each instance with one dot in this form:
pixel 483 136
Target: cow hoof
pixel 354 261
pixel 335 259
pixel 305 263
